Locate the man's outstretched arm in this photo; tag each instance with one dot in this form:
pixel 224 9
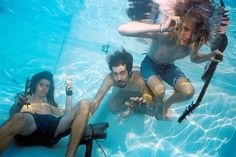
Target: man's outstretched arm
pixel 147 30
pixel 106 85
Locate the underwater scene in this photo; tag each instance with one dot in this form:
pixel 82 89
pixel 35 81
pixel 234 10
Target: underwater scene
pixel 72 39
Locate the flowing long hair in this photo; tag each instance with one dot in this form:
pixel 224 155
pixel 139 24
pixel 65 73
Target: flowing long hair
pixel 202 32
pixel 203 7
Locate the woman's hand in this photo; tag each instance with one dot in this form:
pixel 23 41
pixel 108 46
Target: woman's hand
pixel 22 100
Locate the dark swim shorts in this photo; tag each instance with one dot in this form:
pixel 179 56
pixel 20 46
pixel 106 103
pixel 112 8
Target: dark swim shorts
pixel 168 72
pixel 44 135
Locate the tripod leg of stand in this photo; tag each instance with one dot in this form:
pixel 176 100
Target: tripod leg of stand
pixel 89 147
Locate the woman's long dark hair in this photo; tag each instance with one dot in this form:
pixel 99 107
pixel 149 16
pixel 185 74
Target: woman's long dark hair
pixel 35 80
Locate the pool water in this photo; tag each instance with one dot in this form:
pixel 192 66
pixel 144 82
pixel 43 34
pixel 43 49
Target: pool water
pixel 59 35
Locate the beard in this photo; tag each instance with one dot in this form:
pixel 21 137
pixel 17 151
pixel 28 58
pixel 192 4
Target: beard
pixel 121 84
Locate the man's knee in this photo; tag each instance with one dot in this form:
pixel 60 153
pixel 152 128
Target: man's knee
pixel 159 91
pixel 189 92
pixel 19 118
pixel 157 87
pixel 186 89
pixel 17 122
pixel 84 106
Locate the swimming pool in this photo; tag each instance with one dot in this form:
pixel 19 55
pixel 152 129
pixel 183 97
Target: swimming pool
pixel 38 35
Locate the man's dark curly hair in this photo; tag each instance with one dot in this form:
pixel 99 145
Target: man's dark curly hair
pixel 35 80
pixel 120 57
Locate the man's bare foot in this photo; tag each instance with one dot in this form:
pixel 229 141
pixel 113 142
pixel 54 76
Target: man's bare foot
pixel 169 114
pixel 161 114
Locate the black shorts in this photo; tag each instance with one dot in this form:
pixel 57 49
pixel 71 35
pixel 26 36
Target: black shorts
pixel 44 135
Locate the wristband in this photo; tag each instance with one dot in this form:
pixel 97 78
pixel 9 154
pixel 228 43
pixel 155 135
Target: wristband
pixel 69 92
pixel 161 28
